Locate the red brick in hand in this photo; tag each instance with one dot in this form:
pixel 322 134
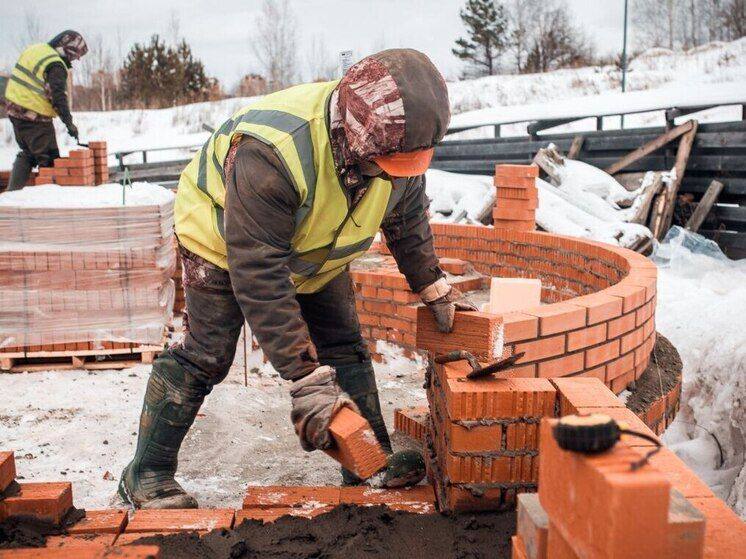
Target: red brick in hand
pixel 357 448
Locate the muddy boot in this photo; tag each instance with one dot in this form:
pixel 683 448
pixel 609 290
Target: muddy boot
pixel 21 170
pixel 172 400
pixel 359 381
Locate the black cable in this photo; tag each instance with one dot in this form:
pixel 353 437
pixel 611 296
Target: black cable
pixel 644 460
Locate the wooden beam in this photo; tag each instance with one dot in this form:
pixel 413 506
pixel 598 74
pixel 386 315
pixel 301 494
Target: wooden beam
pixel 650 147
pixel 682 158
pixel 577 145
pixel 641 215
pixel 705 205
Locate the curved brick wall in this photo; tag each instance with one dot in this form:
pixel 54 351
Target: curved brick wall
pixel 598 316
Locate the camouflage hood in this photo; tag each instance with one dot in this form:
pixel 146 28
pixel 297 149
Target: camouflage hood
pixel 70 44
pixel 390 102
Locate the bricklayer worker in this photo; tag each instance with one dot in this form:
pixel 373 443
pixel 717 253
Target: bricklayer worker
pixel 35 94
pixel 269 215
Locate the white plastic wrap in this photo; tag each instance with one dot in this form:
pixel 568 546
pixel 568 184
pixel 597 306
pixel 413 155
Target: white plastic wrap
pixel 85 268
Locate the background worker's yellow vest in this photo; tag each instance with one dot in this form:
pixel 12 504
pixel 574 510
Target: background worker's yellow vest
pixel 26 84
pixel 327 234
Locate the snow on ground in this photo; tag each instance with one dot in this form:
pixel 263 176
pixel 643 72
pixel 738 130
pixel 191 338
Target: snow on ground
pixel 457 196
pixel 702 72
pixel 701 309
pixel 103 196
pixel 81 427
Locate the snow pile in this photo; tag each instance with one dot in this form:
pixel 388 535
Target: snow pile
pixel 701 309
pixel 584 217
pixel 103 196
pixel 455 196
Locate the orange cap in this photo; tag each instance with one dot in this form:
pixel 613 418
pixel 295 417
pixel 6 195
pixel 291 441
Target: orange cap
pixel 409 164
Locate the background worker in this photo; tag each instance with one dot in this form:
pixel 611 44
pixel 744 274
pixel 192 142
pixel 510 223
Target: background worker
pixel 281 198
pixel 36 93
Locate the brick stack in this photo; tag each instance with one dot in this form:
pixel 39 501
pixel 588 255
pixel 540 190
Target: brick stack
pixel 483 438
pixel 517 197
pixel 85 278
pixel 5 179
pixel 100 162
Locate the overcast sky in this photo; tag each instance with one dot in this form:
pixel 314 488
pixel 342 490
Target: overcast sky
pixel 220 31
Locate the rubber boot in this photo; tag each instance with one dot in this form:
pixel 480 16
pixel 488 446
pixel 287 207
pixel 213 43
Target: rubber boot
pixel 404 468
pixel 21 170
pixel 172 400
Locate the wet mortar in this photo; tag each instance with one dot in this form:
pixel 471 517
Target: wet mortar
pixel 661 376
pixel 347 531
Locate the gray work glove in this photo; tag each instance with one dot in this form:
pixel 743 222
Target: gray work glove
pixel 443 301
pixel 315 399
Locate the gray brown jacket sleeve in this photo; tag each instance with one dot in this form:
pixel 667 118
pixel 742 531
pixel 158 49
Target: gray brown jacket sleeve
pixel 409 237
pixel 260 210
pixel 56 75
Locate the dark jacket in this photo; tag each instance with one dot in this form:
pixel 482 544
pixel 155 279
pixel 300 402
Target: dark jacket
pixel 261 204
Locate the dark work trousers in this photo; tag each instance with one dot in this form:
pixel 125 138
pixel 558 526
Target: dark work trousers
pixel 214 320
pixel 38 145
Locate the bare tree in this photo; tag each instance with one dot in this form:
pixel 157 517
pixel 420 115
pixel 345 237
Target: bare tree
pixel 31 30
pixel 174 27
pixel 321 65
pixel 97 72
pixel 274 43
pixel 733 17
pixel 521 17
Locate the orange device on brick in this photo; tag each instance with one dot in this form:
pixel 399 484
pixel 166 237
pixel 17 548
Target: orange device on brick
pixel 357 448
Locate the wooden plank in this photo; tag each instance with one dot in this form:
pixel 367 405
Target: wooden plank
pixel 575 147
pixel 650 147
pixel 704 206
pixel 648 195
pixel 682 158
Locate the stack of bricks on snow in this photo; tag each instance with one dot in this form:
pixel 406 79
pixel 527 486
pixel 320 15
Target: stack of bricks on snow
pixel 82 167
pixel 598 316
pixel 84 279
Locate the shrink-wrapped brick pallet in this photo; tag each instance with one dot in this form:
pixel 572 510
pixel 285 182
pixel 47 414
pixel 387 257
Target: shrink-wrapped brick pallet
pixel 85 270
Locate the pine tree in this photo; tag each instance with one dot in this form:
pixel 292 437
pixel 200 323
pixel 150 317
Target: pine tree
pixel 157 75
pixel 486 25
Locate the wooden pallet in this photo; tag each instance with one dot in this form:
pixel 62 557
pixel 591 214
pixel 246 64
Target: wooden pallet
pixel 92 359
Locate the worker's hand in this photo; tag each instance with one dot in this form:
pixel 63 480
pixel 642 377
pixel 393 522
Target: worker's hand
pixel 444 300
pixel 72 130
pixel 316 398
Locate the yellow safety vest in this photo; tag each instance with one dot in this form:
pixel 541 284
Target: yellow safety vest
pixel 328 235
pixel 25 87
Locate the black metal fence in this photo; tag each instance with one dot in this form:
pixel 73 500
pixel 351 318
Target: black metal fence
pixel 719 152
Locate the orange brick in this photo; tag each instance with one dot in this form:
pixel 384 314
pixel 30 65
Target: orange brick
pixel 479 333
pixel 510 214
pixel 586 337
pixel 633 296
pixel 559 317
pixel 356 446
pixel 455 266
pixel 541 349
pixel 271 496
pixel 95 552
pixel 418 499
pixel 583 392
pixel 78 541
pixel 601 354
pixel 684 480
pixel 558 547
pixel 519 326
pixel 529 193
pixel 7 469
pixel 179 520
pixel 686 529
pixel 562 366
pixel 517 203
pixel 632 340
pixel 532 525
pixel 494 398
pixel 514 170
pixel 621 325
pixel 600 504
pixel 412 422
pixel 627 419
pixel 46 501
pixel 725 533
pixel 110 521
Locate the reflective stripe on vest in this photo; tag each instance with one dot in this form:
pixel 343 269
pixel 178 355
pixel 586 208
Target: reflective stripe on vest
pixel 328 234
pixel 26 86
